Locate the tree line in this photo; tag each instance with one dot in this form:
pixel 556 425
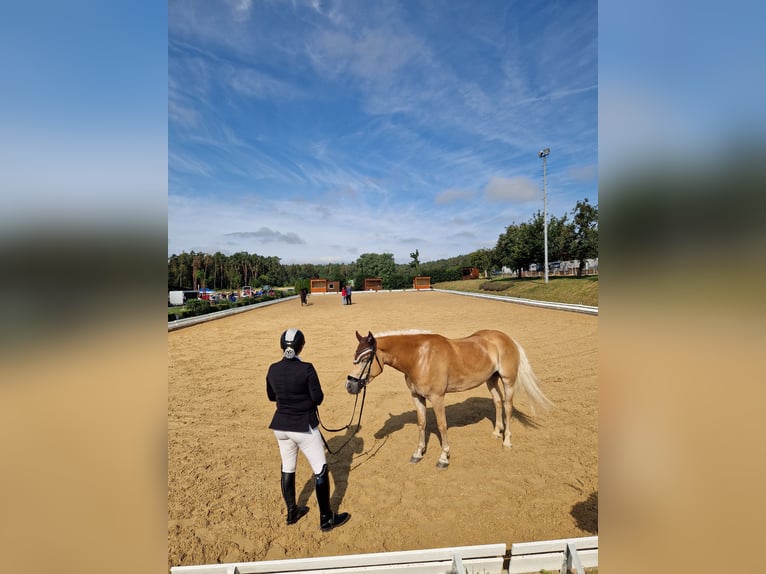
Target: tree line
pixel 519 246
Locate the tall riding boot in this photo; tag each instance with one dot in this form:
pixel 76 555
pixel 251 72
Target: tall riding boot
pixel 327 518
pixel 294 512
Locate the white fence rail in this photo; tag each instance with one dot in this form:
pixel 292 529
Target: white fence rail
pixel 587 309
pixel 565 555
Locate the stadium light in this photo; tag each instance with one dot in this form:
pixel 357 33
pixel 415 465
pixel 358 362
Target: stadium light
pixel 544 153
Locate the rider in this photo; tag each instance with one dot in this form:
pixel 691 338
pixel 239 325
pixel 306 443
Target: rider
pixel 294 385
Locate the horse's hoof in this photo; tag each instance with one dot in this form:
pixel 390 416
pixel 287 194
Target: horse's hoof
pixel 415 459
pixel 507 445
pixel 442 465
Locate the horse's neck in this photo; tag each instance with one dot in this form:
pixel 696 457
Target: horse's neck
pixel 392 351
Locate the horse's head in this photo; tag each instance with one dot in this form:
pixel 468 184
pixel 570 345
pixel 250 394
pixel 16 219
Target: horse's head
pixel 369 366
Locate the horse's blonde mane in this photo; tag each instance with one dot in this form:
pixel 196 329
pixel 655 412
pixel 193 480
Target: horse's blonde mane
pixel 402 332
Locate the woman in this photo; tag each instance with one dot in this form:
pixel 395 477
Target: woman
pixel 294 385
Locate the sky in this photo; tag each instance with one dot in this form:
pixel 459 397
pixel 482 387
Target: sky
pixel 318 131
pixel 121 114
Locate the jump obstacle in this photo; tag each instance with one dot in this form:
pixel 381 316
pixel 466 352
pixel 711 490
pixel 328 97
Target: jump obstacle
pixel 324 286
pixel 421 283
pixel 563 556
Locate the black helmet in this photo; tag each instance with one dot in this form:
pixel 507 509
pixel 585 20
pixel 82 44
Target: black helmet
pixel 293 339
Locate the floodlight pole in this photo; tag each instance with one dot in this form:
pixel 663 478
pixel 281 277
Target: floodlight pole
pixel 544 154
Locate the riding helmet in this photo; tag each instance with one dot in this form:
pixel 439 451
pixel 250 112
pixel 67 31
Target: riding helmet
pixel 294 339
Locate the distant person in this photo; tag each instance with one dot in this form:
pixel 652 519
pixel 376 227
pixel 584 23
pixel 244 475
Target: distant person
pixel 348 294
pixel 294 386
pixel 304 297
pixel 344 294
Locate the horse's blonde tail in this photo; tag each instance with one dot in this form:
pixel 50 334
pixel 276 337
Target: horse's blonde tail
pixel 530 383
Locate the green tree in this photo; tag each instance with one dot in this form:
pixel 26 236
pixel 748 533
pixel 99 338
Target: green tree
pixel 415 263
pixel 482 260
pixel 521 245
pixel 375 265
pixel 585 233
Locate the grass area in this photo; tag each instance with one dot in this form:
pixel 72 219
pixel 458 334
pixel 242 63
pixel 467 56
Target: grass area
pixel 583 291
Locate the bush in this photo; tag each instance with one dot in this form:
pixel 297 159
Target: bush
pixel 198 307
pixel 495 285
pixel 302 284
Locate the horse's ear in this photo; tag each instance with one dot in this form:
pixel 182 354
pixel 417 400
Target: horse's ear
pixel 358 336
pixel 369 336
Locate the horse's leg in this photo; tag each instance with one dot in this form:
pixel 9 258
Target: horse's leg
pixel 441 421
pixel 508 388
pixel 494 390
pixel 420 409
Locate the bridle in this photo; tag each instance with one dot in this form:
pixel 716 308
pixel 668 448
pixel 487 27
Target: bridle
pixel 355 385
pixel 370 354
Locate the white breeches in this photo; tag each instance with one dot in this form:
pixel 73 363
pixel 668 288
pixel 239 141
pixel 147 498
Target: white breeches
pixel 310 444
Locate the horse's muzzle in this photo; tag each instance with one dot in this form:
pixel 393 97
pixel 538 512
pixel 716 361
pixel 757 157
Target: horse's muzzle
pixel 354 385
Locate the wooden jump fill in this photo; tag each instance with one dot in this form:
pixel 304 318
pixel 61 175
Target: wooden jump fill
pixel 421 283
pixel 373 284
pixel 325 286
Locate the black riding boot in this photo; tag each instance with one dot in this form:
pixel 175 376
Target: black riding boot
pixel 327 518
pixel 294 512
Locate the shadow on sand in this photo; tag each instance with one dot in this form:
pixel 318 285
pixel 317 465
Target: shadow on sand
pixel 586 514
pixel 469 412
pixel 344 446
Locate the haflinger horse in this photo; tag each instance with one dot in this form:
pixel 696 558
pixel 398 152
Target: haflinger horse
pixel 434 365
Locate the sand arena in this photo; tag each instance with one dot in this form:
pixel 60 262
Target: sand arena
pixel 224 501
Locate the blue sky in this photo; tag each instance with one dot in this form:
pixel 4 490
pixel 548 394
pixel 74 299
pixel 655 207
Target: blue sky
pixel 318 131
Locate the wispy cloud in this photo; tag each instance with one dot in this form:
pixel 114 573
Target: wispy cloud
pixel 298 123
pixel 241 9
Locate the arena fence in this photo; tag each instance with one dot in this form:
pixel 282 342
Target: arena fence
pixel 565 555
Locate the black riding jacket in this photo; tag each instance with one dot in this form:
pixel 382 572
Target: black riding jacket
pixel 294 385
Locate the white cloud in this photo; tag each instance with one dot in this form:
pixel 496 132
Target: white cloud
pixel 241 10
pixel 582 173
pixel 512 189
pixel 267 235
pixel 453 195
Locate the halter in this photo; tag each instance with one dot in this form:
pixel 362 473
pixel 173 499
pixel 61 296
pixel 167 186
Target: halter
pixel 356 384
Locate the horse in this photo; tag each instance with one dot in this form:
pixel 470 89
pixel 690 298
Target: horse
pixel 434 365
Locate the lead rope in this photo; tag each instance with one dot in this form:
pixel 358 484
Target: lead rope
pixel 351 420
pixel 356 430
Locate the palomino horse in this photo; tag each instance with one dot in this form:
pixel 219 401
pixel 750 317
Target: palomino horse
pixel 434 365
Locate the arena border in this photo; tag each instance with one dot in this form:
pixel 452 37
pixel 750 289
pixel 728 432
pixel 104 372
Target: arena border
pixel 587 309
pixel 562 555
pixel 573 307
pixel 189 321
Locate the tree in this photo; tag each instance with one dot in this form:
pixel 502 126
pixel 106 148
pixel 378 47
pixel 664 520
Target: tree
pixel 521 245
pixel 415 263
pixel 196 265
pixel 375 265
pixel 482 260
pixel 560 235
pixel 585 240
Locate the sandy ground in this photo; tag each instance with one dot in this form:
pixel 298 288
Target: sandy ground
pixel 224 501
